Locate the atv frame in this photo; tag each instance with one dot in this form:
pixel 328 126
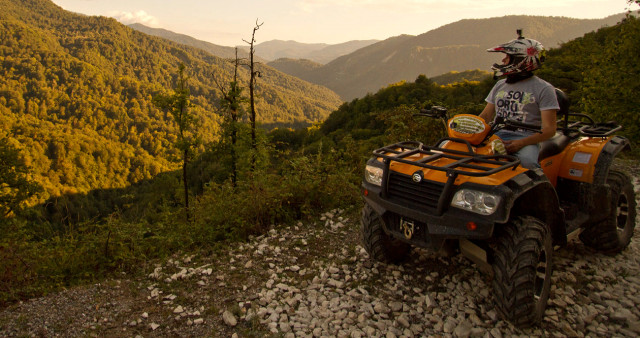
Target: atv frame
pixel 410 192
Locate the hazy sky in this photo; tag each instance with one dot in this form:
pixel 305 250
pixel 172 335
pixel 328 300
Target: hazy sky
pixel 228 22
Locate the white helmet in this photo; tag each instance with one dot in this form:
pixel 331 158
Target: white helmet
pixel 525 55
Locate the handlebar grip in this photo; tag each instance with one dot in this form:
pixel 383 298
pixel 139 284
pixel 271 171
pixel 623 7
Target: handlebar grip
pixel 435 111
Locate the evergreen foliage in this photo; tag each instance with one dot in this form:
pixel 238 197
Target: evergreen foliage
pixel 455 77
pixel 16 186
pixel 178 104
pixel 76 93
pixel 232 111
pixel 599 72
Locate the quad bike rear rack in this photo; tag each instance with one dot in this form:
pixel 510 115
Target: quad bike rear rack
pixel 575 123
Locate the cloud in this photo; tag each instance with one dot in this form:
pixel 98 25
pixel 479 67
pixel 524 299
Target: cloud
pixel 140 16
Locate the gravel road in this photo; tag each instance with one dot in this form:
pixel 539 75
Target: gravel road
pixel 316 280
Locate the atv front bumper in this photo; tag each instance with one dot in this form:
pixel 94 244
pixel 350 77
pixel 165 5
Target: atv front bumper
pixel 422 227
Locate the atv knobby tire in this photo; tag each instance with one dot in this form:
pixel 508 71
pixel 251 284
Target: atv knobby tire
pixel 522 269
pixel 379 245
pixel 614 233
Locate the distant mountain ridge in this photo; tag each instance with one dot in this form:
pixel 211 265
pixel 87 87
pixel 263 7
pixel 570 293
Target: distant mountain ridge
pixel 217 50
pixel 458 46
pixel 265 52
pixel 317 52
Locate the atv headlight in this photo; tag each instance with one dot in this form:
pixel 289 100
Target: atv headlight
pixel 373 175
pixel 476 201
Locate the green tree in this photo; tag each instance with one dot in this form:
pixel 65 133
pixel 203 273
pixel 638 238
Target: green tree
pixel 15 185
pixel 178 105
pixel 609 88
pixel 230 103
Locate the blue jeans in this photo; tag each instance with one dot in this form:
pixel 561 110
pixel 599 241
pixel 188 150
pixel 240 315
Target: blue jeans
pixel 528 155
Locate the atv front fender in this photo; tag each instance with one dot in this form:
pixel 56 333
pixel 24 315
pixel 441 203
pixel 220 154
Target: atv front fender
pixel 539 199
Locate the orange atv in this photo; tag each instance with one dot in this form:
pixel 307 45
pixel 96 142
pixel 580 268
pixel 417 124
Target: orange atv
pixel 466 193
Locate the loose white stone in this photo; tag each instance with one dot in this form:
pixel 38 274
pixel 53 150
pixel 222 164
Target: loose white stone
pixel 229 318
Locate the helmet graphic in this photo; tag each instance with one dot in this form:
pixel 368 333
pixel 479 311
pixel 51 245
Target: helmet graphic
pixel 525 55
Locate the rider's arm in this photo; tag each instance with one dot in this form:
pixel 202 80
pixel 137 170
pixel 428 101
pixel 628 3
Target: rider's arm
pixel 488 112
pixel 548 130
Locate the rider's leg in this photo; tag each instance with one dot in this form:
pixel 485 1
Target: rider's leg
pixel 528 155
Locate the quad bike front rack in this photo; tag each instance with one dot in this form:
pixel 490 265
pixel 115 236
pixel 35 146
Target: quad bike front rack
pixel 484 165
pixel 435 195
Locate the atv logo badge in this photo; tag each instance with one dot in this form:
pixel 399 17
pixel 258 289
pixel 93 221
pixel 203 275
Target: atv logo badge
pixel 417 176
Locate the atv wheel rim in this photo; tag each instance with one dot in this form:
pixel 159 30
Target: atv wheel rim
pixel 622 214
pixel 541 276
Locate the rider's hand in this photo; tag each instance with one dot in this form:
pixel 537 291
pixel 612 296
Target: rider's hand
pixel 513 145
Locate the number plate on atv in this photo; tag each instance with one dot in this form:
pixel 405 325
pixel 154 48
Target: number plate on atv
pixel 407 227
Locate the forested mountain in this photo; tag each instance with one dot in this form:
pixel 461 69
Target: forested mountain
pixel 457 77
pixel 76 96
pixel 317 52
pixel 297 67
pixel 458 46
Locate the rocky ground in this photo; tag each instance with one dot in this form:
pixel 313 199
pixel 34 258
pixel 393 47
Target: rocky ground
pixel 314 279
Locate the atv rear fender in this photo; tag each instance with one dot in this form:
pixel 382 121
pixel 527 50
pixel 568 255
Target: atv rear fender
pixel 605 160
pixel 588 160
pixel 584 173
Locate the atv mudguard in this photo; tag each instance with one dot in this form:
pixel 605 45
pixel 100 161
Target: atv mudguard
pixel 605 160
pixel 539 199
pixel 588 160
pixel 583 173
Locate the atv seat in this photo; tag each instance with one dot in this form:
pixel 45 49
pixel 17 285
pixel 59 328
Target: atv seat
pixel 559 141
pixel 553 146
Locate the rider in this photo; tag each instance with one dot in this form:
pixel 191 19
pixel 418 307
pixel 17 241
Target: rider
pixel 522 97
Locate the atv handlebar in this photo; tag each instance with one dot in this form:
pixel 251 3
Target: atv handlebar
pixel 503 123
pixel 435 112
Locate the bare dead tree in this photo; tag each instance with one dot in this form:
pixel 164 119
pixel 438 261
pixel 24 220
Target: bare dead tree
pixel 252 81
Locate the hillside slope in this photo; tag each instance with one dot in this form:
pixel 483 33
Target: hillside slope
pixel 77 96
pixel 457 46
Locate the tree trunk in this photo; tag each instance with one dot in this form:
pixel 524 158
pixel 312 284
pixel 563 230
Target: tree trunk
pixel 234 156
pixel 254 143
pixel 186 187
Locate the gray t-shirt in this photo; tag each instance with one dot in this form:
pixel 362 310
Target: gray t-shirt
pixel 522 101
